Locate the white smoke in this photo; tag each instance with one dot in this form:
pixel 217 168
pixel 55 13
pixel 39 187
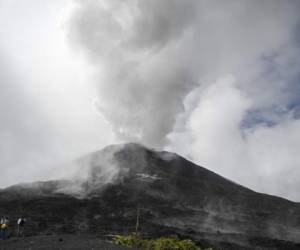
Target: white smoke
pixel 217 81
pixel 261 157
pixel 214 80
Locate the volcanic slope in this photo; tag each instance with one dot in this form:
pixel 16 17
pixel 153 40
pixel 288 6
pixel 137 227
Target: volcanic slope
pixel 170 194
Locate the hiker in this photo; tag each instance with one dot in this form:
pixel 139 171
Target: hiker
pixel 1 222
pixel 4 228
pixel 21 223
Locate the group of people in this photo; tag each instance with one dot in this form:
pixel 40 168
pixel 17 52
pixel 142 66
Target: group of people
pixel 5 226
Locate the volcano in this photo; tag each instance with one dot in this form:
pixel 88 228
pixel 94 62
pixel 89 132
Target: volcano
pixel 165 193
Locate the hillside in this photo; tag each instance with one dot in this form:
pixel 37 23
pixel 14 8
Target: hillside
pixel 172 195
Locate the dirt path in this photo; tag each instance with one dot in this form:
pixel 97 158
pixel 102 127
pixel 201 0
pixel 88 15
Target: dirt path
pixel 63 242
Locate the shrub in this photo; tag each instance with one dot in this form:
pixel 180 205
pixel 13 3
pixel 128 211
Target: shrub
pixel 132 240
pixel 166 244
pixel 188 245
pixel 163 243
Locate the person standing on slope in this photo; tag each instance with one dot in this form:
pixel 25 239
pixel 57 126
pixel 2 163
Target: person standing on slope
pixel 4 228
pixel 1 231
pixel 21 224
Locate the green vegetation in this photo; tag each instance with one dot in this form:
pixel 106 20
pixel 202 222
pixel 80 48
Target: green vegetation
pixel 163 243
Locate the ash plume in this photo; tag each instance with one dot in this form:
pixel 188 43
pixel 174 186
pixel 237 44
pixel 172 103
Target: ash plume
pixel 157 64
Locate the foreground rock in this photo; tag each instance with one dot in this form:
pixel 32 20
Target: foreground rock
pixel 170 194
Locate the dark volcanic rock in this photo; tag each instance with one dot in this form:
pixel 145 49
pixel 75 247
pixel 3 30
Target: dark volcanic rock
pixel 63 242
pixel 171 195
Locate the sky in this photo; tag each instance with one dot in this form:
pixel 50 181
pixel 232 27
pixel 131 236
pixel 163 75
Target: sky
pixel 215 81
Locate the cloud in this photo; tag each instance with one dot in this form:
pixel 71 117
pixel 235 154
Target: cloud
pixel 140 84
pixel 261 157
pixel 46 111
pixel 161 69
pixel 148 55
pixel 24 131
